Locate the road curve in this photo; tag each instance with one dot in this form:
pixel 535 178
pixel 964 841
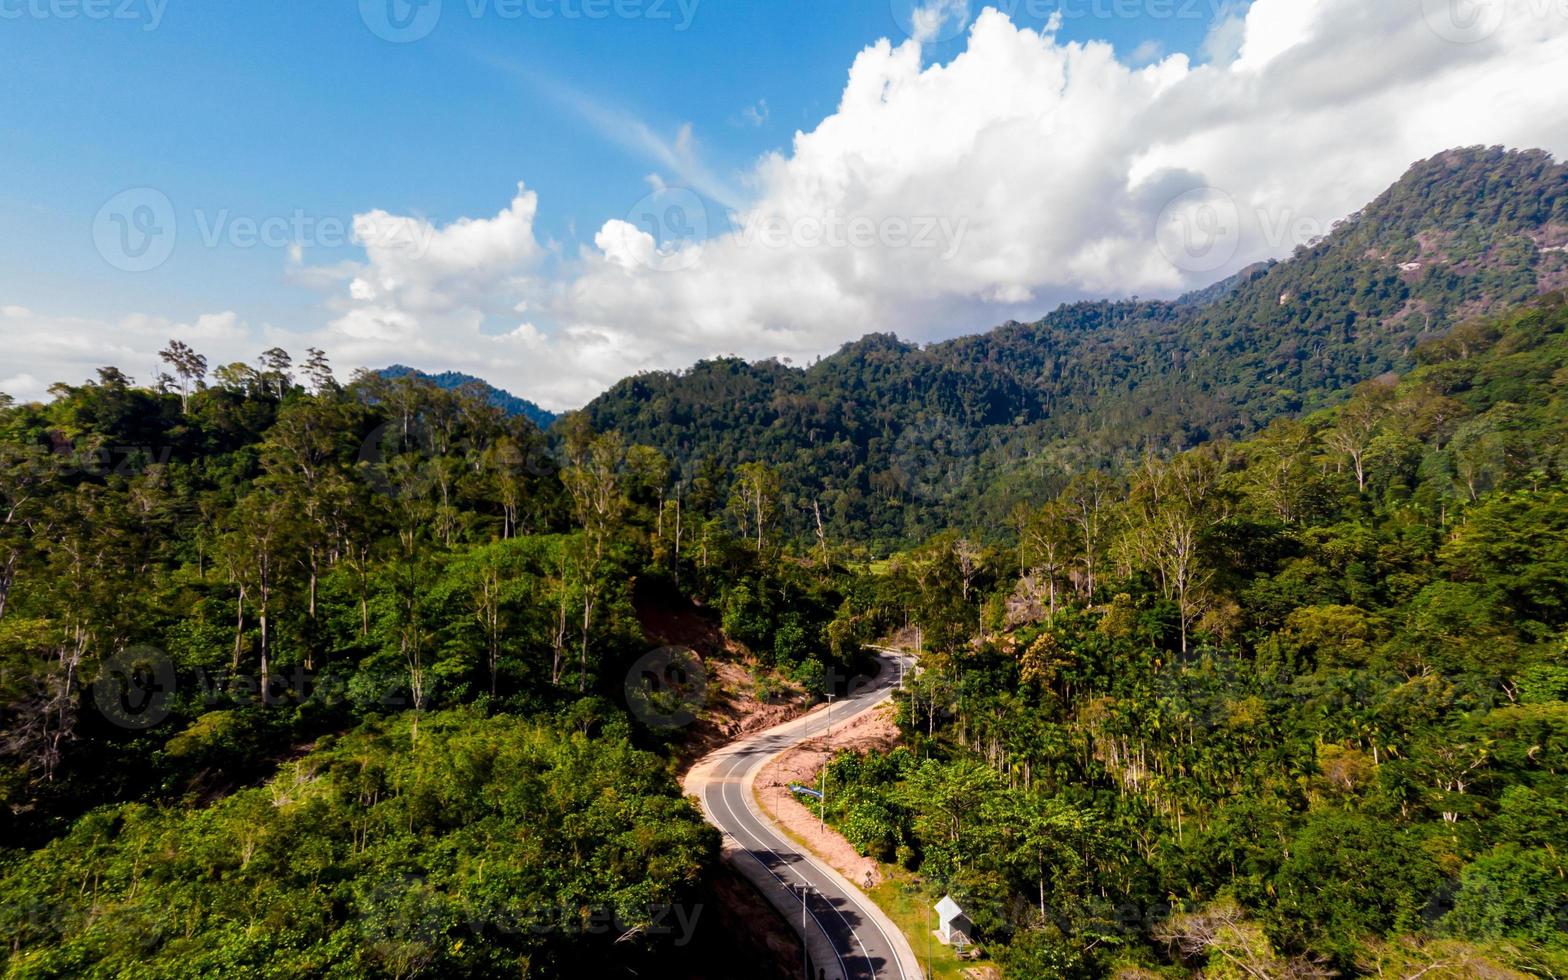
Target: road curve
pixel 846 935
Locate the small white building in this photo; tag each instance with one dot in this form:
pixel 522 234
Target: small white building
pixel 953 926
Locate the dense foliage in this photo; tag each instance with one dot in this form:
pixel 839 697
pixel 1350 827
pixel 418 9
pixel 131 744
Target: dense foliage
pixel 455 380
pixel 1298 703
pixel 1243 621
pixel 315 677
pixel 894 442
pixel 492 847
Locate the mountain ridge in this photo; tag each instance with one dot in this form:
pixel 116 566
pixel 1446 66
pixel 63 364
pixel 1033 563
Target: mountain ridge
pixel 498 397
pixel 883 424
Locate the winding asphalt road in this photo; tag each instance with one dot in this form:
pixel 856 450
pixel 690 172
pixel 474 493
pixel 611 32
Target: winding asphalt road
pixel 847 936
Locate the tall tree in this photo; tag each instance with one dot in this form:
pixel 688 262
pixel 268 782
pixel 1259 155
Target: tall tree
pixel 1088 500
pixel 1356 425
pixel 189 367
pixel 754 500
pixel 593 479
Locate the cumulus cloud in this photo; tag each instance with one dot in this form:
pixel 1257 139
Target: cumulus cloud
pixel 469 264
pixel 1051 170
pixel 941 198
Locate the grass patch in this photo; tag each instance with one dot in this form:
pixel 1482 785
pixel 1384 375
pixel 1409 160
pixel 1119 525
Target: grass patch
pixel 911 908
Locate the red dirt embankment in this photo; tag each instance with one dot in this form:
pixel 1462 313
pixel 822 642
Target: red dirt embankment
pixel 872 732
pixel 735 703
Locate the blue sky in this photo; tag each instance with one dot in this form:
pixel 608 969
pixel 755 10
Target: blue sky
pixel 296 110
pixel 267 109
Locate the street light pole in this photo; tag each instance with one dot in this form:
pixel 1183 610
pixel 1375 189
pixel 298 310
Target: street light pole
pixel 805 950
pixel 827 753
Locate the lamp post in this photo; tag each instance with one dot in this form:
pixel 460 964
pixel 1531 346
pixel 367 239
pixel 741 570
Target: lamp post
pixel 827 756
pixel 822 804
pixel 805 950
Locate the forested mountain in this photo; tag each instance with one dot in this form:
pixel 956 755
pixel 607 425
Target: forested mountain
pixel 1290 707
pixel 336 680
pixel 301 678
pixel 894 441
pixel 498 397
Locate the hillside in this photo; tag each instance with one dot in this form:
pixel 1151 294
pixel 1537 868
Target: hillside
pixel 497 397
pixel 358 680
pixel 1294 706
pixel 895 440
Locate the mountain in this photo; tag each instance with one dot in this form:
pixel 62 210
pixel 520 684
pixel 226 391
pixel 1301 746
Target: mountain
pixel 895 440
pixel 500 398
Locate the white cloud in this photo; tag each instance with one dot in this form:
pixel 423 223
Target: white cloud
pixel 426 269
pixel 929 20
pixel 1059 163
pixel 72 349
pixel 1222 45
pixel 1039 171
pixel 1146 52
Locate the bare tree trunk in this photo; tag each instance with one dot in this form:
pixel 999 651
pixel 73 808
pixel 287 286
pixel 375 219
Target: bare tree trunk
pixel 822 534
pixel 239 632
pixel 679 528
pixel 266 669
pixel 560 639
pixel 582 657
pixel 7 576
pixel 310 647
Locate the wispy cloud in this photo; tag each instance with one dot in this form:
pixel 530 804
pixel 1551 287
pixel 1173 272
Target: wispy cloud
pixel 679 153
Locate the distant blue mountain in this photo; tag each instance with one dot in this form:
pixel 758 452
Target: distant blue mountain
pixel 504 400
